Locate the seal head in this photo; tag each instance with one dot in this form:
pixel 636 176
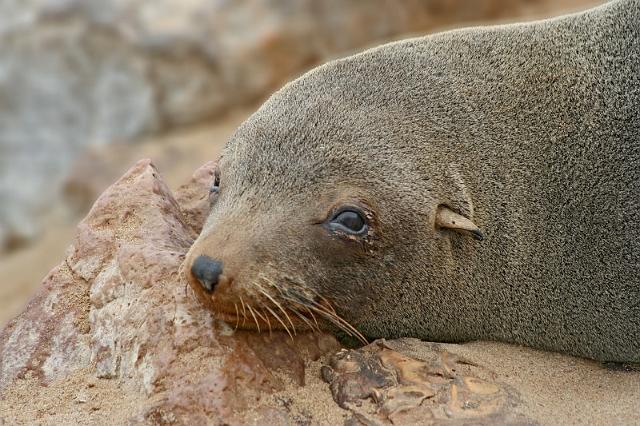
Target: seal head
pixel 316 202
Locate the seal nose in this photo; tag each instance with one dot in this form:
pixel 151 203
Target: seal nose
pixel 207 271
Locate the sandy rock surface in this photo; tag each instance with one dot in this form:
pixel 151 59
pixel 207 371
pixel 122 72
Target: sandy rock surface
pixel 114 336
pixel 176 154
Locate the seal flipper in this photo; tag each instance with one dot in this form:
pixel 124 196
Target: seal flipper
pixel 447 218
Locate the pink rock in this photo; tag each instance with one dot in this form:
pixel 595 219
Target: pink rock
pixel 116 309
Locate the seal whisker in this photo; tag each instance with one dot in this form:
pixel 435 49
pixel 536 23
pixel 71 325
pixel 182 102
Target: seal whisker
pixel 325 309
pixel 327 305
pixel 312 316
pixel 279 320
pixel 275 302
pixel 235 305
pixel 350 327
pixel 335 322
pixel 311 305
pixel 244 311
pixel 302 317
pixel 338 321
pixel 270 282
pixel 266 317
pixel 254 317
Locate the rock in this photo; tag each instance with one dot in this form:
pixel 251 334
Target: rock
pixel 177 154
pixel 76 73
pixel 115 316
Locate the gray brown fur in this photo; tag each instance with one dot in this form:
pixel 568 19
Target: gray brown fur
pixel 530 130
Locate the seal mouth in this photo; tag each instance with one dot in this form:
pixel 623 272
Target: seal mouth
pixel 262 317
pixel 292 311
pixel 228 317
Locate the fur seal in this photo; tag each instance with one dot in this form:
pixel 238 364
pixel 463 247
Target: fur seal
pixel 478 184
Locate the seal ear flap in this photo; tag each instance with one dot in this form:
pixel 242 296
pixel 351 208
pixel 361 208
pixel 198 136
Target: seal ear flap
pixel 447 218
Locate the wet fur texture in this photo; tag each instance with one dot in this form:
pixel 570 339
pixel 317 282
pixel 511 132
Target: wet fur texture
pixel 530 130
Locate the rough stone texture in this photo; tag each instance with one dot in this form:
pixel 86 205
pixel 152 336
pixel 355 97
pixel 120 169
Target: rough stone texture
pixel 115 311
pixel 115 337
pixel 84 72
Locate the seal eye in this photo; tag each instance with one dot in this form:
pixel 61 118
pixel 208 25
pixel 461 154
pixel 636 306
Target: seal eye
pixel 215 187
pixel 350 221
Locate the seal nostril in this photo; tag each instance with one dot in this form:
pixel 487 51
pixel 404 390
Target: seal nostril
pixel 207 271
